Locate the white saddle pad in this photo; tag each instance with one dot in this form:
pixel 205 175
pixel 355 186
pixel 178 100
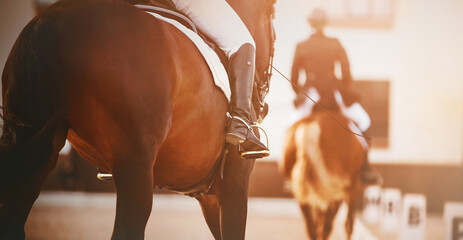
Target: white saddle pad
pixel 215 65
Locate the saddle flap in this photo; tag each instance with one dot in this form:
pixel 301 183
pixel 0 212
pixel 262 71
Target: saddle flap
pixel 167 9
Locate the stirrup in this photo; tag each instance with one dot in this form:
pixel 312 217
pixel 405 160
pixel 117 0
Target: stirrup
pixel 255 153
pixel 104 176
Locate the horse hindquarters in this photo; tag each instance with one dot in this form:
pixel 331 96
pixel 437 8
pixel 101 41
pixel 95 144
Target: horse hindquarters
pixel 317 181
pixel 34 128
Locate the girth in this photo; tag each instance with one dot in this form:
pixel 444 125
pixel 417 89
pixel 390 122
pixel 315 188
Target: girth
pixel 204 186
pixel 198 189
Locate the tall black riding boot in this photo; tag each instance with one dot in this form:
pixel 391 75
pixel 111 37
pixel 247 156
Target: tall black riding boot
pixel 239 131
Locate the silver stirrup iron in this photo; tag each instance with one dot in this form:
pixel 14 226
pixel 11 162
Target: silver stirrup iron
pixel 104 176
pixel 256 154
pixel 251 154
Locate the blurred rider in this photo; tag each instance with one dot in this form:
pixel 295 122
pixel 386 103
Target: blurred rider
pixel 217 20
pixel 317 57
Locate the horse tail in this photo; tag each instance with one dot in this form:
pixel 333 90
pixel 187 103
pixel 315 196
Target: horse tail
pixel 34 102
pixel 289 155
pixel 305 137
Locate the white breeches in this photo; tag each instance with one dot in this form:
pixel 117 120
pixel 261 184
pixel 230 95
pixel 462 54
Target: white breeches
pixel 355 112
pixel 218 21
pixel 306 108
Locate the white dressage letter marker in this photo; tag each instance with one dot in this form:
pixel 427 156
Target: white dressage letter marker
pixel 413 222
pixel 453 217
pixel 372 204
pixel 390 210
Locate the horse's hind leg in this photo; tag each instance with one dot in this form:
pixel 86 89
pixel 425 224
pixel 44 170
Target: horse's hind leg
pixel 330 214
pixel 232 194
pixel 350 219
pixel 133 177
pixel 211 211
pixel 18 198
pixel 307 213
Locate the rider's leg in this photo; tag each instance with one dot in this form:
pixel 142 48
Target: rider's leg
pixel 241 83
pixel 217 20
pixel 354 112
pixel 369 175
pixel 238 44
pixel 357 114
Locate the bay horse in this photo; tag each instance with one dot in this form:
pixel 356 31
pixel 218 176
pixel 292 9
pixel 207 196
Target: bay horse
pixel 323 162
pixel 136 99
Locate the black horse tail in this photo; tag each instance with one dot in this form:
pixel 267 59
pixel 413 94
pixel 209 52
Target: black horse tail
pixel 34 103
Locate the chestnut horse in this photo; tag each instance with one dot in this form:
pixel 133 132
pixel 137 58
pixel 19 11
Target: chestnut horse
pixel 136 99
pixel 323 161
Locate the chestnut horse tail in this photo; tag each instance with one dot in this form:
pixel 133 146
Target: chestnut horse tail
pixel 34 102
pixel 289 156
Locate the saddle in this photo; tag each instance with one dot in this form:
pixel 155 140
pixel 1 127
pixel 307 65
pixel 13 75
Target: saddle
pixel 166 8
pixel 326 91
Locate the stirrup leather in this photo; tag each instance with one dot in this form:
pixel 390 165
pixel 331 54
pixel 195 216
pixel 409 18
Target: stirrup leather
pixel 241 120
